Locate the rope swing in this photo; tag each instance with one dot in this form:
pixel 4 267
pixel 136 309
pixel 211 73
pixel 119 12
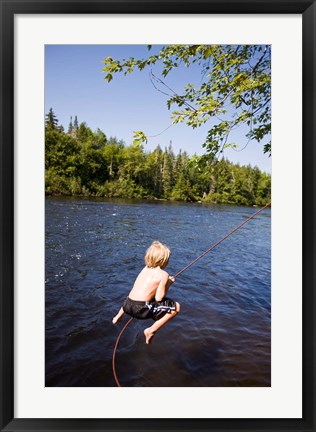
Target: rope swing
pixel 180 272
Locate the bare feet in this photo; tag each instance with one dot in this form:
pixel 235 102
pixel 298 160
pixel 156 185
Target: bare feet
pixel 149 334
pixel 118 316
pixel 116 319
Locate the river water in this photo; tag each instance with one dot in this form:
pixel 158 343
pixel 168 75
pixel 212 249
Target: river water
pixel 94 251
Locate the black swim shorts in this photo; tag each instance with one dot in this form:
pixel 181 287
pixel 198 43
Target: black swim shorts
pixel 152 309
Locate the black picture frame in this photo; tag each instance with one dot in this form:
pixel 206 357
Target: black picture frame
pixel 8 10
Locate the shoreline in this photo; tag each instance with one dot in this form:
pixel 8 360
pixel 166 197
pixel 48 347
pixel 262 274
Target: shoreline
pixel 148 199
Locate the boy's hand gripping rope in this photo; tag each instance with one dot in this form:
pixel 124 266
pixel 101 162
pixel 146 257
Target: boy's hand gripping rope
pixel 178 274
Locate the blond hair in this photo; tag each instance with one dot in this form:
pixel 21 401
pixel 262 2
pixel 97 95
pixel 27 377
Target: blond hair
pixel 157 255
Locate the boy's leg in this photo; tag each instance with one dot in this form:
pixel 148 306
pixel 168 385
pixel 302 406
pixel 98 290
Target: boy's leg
pixel 118 316
pixel 150 331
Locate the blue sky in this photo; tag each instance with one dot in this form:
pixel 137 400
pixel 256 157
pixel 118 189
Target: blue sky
pixel 75 85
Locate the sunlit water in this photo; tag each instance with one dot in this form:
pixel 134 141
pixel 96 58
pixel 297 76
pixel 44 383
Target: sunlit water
pixel 94 251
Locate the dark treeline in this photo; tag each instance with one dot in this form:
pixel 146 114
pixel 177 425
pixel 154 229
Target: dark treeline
pixel 81 162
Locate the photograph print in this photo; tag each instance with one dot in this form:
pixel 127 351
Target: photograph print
pixel 157 215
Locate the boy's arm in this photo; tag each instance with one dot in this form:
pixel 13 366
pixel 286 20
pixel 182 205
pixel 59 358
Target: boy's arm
pixel 163 286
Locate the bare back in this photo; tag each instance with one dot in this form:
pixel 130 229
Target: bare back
pixel 148 282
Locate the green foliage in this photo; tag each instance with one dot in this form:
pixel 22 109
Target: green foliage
pixel 70 127
pixel 121 188
pixel 89 164
pixel 51 121
pixel 235 89
pixel 55 183
pixel 182 190
pixel 139 138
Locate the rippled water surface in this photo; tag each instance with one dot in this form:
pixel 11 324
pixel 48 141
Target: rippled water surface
pixel 94 251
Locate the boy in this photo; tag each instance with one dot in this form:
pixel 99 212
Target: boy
pixel 147 298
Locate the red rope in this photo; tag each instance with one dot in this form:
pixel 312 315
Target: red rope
pixel 114 352
pixel 220 241
pixel 177 274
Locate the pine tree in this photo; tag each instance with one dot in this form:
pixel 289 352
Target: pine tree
pixel 74 132
pixel 51 120
pixel 70 127
pixel 89 164
pixel 168 171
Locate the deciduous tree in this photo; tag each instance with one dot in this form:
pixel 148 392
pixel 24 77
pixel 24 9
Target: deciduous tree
pixel 234 90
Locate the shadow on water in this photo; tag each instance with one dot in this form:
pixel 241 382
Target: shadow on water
pixel 162 364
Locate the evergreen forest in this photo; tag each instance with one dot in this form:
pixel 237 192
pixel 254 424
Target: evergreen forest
pixel 85 163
